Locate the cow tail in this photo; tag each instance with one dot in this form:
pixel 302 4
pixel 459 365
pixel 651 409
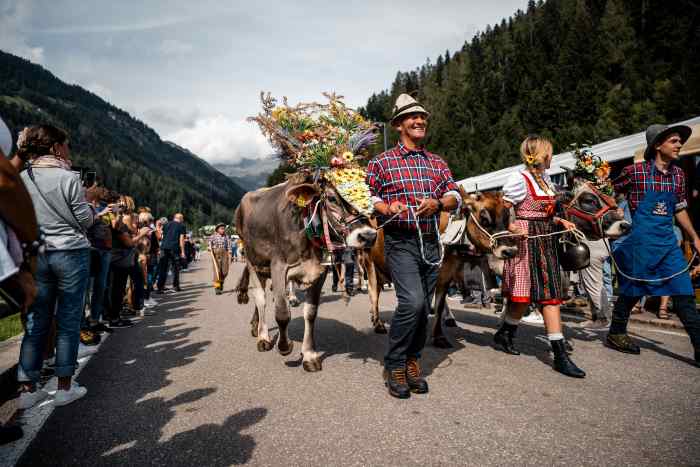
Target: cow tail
pixel 242 287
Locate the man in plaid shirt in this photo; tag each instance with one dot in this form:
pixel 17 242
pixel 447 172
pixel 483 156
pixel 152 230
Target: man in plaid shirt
pixel 415 185
pixel 648 260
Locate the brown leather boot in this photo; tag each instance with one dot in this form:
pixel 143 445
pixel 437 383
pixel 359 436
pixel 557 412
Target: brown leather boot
pixel 395 381
pixel 416 382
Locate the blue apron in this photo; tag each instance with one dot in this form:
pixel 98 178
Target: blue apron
pixel 651 251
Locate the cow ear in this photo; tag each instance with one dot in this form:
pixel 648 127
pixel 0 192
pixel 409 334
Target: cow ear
pixel 302 194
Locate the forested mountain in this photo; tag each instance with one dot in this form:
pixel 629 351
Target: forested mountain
pixel 126 154
pixel 574 70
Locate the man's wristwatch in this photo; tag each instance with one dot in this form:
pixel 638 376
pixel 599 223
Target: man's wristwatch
pixel 441 207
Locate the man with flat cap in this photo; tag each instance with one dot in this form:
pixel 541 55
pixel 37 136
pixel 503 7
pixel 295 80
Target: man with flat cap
pixel 220 248
pixel 414 185
pixel 649 261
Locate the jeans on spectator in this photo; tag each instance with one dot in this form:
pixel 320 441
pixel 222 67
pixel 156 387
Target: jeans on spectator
pixel 152 275
pixel 169 257
pixel 414 282
pixel 61 280
pixel 608 277
pixel 99 284
pixel 120 277
pixel 137 283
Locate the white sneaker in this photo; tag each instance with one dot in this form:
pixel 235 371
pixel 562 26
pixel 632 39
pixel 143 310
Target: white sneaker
pixel 535 317
pixel 85 350
pixel 27 400
pixel 52 385
pixel 66 397
pixel 150 303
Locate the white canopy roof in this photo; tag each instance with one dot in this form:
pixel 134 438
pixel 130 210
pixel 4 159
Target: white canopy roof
pixel 613 150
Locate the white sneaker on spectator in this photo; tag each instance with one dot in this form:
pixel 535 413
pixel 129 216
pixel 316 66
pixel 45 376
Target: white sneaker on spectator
pixel 52 385
pixel 27 400
pixel 535 317
pixel 84 350
pixel 66 397
pixel 150 303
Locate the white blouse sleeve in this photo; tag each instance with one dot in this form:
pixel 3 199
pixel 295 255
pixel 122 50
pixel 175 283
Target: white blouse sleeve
pixel 514 190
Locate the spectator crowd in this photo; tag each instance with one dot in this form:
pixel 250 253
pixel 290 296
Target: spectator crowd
pixel 102 261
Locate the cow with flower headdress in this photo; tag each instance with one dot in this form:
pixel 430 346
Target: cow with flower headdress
pixel 292 228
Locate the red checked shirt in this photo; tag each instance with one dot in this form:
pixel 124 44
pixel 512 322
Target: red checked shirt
pixel 635 179
pixel 406 176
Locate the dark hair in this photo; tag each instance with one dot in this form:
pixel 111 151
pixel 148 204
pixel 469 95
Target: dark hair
pixel 38 140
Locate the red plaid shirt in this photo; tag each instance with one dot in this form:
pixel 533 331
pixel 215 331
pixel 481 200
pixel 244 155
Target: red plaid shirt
pixel 634 180
pixel 403 175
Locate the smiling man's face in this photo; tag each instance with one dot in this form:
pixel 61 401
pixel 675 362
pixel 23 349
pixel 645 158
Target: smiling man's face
pixel 414 126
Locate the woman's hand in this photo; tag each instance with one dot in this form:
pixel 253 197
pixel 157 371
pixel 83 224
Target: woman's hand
pixel 568 225
pixel 515 229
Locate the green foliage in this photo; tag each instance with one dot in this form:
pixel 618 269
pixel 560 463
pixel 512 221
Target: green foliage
pixel 128 156
pixel 573 70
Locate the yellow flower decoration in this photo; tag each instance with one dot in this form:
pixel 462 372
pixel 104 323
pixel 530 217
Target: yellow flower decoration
pixel 348 156
pixel 530 160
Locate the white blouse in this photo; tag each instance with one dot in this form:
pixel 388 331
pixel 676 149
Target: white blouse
pixel 515 188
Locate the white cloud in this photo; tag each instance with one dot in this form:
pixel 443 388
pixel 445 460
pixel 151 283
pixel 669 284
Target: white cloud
pixel 13 17
pixel 221 139
pixel 174 47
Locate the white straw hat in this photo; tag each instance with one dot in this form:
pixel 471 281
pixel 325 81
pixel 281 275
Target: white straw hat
pixel 406 104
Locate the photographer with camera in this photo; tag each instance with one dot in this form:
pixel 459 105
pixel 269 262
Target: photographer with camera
pixel 62 272
pixel 125 238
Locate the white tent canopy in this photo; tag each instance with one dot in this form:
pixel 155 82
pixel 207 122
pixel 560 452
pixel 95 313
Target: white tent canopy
pixel 613 150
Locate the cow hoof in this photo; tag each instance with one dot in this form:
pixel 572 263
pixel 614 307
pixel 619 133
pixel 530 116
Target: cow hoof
pixel 441 342
pixel 294 302
pixel 379 328
pixel 243 299
pixel 254 329
pixel 312 366
pixel 450 323
pixel 286 348
pixel 264 346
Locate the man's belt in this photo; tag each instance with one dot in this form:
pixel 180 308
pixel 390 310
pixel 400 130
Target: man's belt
pixel 409 233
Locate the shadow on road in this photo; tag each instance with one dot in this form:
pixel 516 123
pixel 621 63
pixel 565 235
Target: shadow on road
pixel 119 422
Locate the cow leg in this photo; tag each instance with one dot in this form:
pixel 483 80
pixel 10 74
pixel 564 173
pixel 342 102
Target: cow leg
pixel 311 360
pixel 439 339
pixel 254 323
pixel 291 296
pixel 373 289
pixel 257 283
pixel 282 314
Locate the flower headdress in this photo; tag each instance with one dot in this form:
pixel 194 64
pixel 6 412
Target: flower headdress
pixel 327 138
pixel 592 168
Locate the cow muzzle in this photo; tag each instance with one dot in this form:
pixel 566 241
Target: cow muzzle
pixel 617 229
pixel 505 252
pixel 362 237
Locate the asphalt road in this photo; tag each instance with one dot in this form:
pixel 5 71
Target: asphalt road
pixel 188 387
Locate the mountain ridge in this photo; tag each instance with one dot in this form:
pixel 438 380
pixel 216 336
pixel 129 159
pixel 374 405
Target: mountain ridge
pixel 127 155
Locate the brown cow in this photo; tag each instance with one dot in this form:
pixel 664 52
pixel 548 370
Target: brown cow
pixel 492 216
pixel 273 228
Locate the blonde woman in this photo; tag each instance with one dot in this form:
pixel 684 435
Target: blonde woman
pixel 534 276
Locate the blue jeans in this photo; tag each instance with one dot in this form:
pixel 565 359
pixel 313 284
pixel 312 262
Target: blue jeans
pixel 61 280
pixel 99 285
pixel 608 278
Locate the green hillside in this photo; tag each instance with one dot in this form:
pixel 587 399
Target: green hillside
pixel 575 70
pixel 128 155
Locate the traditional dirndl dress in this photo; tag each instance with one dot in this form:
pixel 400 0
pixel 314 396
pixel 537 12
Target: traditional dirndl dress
pixel 534 275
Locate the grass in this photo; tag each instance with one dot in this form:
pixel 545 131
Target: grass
pixel 10 326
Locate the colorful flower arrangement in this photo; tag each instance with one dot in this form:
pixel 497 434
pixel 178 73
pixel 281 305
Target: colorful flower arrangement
pixel 328 138
pixel 592 168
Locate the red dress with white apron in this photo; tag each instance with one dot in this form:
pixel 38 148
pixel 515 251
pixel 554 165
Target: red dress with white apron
pixel 534 275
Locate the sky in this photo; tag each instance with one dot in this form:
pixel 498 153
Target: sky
pixel 194 70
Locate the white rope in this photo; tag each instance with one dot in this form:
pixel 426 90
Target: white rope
pixel 441 247
pixel 493 238
pixel 639 279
